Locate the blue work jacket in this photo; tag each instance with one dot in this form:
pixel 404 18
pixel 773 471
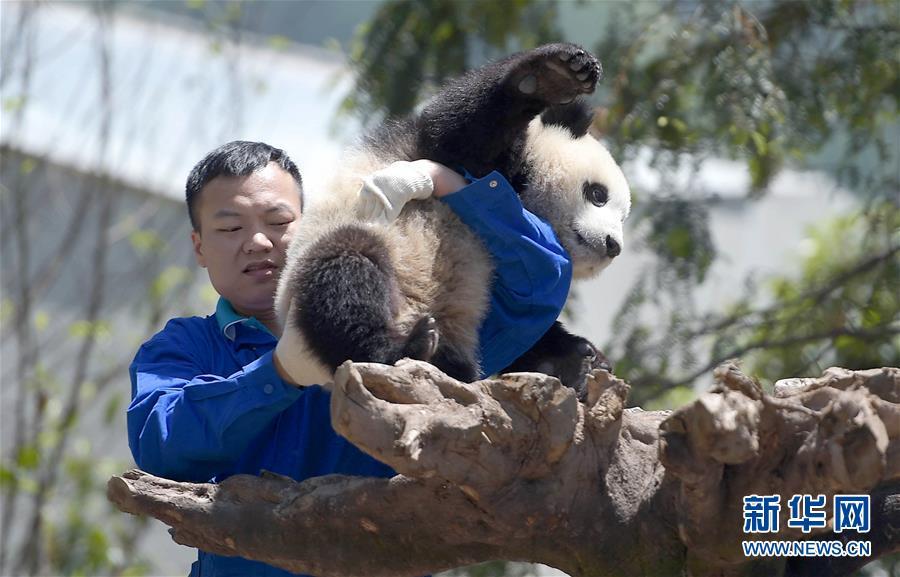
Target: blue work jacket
pixel 208 403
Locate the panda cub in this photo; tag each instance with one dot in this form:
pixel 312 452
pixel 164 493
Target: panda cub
pixel 420 286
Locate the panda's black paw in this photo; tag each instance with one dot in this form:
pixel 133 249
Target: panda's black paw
pixel 556 73
pixel 572 369
pixel 560 354
pixel 422 341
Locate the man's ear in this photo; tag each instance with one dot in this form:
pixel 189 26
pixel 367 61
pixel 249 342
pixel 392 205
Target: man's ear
pixel 198 248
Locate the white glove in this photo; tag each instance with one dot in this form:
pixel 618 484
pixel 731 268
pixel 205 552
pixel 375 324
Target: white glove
pixel 384 193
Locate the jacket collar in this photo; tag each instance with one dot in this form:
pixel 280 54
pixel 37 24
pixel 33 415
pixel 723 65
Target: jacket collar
pixel 228 320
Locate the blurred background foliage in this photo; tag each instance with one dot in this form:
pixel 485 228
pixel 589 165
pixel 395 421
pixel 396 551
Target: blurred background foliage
pixel 809 85
pixel 410 48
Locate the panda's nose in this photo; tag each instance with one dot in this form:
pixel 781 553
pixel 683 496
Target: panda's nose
pixel 612 247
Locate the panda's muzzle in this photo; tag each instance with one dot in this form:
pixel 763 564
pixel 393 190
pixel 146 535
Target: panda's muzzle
pixel 610 247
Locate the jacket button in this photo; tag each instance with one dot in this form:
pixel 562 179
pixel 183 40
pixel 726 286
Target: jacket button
pixel 268 389
pixel 493 184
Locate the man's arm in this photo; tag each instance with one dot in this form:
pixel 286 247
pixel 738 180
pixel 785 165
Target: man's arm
pixel 187 427
pixel 532 269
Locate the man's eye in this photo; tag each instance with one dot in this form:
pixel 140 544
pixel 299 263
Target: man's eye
pixel 282 223
pixel 230 229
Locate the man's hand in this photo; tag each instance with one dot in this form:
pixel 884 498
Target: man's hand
pixel 384 193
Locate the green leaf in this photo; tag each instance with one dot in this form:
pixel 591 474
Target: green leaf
pixel 41 321
pixel 146 241
pixel 112 408
pixel 168 280
pixel 209 295
pixel 759 141
pixel 51 435
pixel 28 457
pixel 88 391
pixel 679 242
pixel 443 32
pixel 7 309
pixel 83 329
pixel 28 484
pixel 13 103
pixel 97 548
pixel 27 166
pixel 8 478
pixel 278 42
pixel 672 399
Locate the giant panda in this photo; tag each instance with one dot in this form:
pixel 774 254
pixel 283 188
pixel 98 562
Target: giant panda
pixel 420 287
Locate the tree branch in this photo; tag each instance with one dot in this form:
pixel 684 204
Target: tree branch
pixel 746 319
pixel 516 468
pixel 864 334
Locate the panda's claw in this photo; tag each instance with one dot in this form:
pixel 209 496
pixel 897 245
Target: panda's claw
pixel 563 72
pixel 585 349
pixel 422 342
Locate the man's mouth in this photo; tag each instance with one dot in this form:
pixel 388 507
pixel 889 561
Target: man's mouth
pixel 261 267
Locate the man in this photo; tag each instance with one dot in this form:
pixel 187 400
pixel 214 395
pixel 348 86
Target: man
pixel 210 396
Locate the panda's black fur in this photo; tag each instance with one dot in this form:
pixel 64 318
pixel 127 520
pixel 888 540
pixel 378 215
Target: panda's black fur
pixel 348 298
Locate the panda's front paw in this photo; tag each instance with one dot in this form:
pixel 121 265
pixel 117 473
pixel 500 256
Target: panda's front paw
pixel 593 357
pixel 573 369
pixel 568 357
pixel 557 73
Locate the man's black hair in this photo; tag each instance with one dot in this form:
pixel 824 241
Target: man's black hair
pixel 236 158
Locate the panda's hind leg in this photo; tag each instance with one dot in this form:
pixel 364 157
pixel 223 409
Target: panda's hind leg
pixel 456 363
pixel 345 301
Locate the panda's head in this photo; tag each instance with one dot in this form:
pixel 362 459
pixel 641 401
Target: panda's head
pixel 576 186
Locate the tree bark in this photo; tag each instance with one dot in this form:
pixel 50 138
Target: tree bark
pixel 517 468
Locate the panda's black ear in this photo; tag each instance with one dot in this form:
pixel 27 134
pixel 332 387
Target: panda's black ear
pixel 575 116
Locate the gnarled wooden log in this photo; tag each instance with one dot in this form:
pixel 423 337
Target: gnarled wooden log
pixel 516 468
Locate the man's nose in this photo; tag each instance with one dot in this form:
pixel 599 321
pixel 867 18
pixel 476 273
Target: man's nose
pixel 257 242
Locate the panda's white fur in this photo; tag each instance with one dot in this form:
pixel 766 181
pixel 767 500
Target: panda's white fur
pixel 558 166
pixel 440 267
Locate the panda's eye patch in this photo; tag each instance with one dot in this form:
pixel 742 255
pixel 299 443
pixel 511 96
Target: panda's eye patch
pixel 596 193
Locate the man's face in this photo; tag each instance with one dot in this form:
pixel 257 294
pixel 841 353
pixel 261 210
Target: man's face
pixel 246 224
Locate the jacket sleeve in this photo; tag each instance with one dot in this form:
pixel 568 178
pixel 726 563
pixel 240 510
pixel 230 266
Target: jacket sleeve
pixel 532 269
pixel 187 425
